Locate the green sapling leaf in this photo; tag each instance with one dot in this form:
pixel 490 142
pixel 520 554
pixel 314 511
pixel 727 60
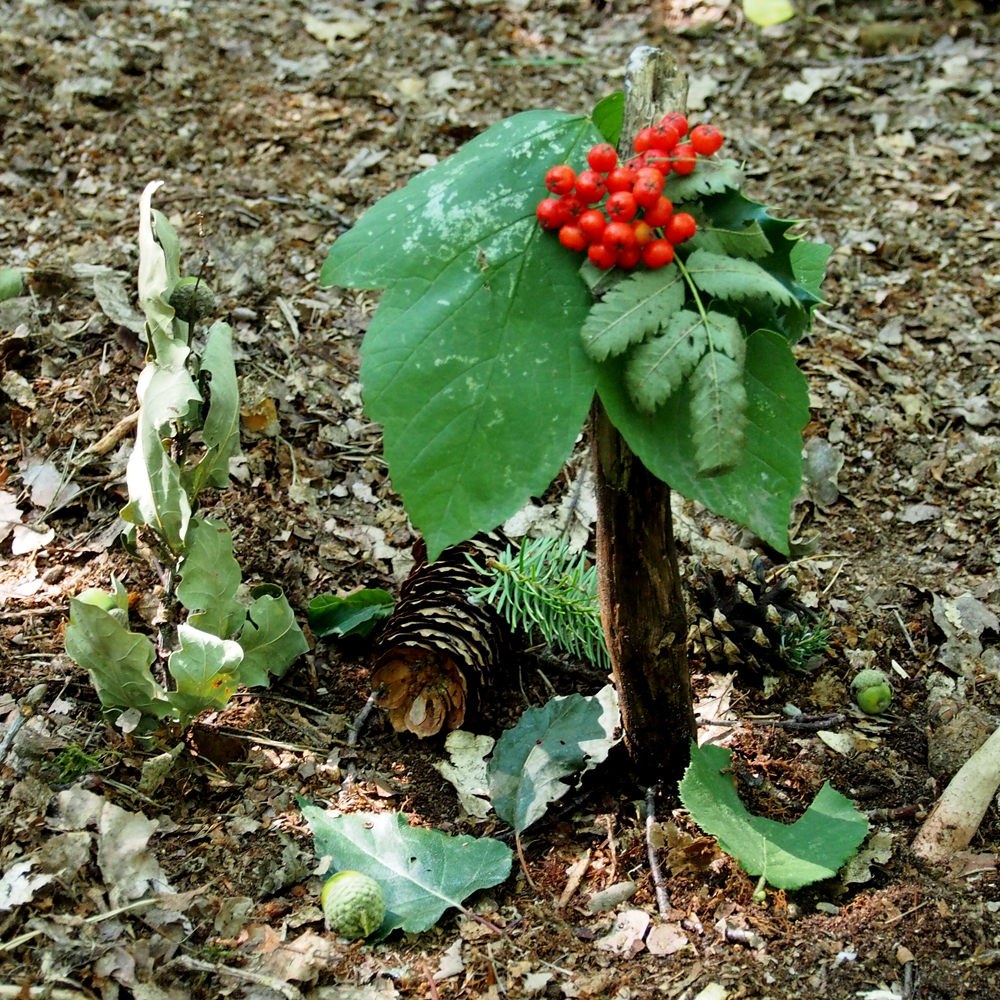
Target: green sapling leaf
pixel 11 283
pixel 812 848
pixel 565 736
pixel 209 579
pixel 706 180
pixel 608 116
pixel 117 660
pixel 204 668
pixel 632 310
pixel 422 872
pixel 718 408
pixel 735 278
pixel 271 639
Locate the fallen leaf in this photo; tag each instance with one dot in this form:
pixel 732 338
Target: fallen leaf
pixel 626 935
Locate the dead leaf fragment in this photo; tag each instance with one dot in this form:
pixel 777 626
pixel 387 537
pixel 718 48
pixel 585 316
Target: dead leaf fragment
pixel 343 24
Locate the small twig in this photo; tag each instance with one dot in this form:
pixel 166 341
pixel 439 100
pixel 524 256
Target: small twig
pixel 905 631
pixel 609 822
pixel 271 982
pixel 906 913
pixel 801 723
pixel 121 430
pixel 431 985
pixel 29 705
pixel 524 865
pixel 842 327
pixel 898 812
pixel 354 729
pixel 662 899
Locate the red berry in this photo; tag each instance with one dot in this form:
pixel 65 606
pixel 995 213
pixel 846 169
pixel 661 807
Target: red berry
pixel 660 213
pixel 658 159
pixel 560 180
pixel 681 227
pixel 648 185
pixel 643 233
pixel 706 140
pixel 620 179
pixel 590 186
pixel 622 207
pixel 665 136
pixel 618 236
pixel 572 207
pixel 602 256
pixel 602 157
pixel 657 254
pixel 550 213
pixel 678 121
pixel 684 159
pixel 573 237
pixel 628 258
pixel 643 140
pixel 636 163
pixel 592 222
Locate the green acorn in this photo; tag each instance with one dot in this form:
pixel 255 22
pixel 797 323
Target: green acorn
pixel 872 691
pixel 192 300
pixel 353 904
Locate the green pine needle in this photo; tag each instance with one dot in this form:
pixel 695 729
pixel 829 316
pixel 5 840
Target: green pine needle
pixel 545 587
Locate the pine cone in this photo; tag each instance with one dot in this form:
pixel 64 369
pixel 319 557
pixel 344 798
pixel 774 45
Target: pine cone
pixel 742 623
pixel 439 649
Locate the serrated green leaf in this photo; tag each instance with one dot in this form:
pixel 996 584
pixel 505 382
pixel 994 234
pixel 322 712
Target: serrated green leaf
pixel 632 310
pixel 422 872
pixel 205 669
pixel 271 639
pixel 747 242
pixel 565 736
pixel 608 116
pixel 357 614
pixel 473 362
pixel 719 400
pixel 812 848
pixel 734 278
pixel 221 430
pixel 656 369
pixel 709 178
pixel 117 660
pixel 11 283
pixel 210 577
pixel 758 492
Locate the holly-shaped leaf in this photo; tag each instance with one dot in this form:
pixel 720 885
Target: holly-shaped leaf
pixel 565 736
pixel 734 278
pixel 271 639
pixel 812 848
pixel 760 490
pixel 117 660
pixel 719 399
pixel 210 577
pixel 656 369
pixel 204 668
pixel 473 362
pixel 632 310
pixel 422 872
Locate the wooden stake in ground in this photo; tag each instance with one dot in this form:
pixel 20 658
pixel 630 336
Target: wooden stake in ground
pixel 642 609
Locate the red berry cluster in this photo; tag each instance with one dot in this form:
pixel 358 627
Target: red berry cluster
pixel 637 222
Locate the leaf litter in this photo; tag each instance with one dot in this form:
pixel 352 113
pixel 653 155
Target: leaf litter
pixel 903 380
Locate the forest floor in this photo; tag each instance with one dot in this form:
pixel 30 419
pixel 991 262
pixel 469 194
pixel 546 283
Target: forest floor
pixel 880 132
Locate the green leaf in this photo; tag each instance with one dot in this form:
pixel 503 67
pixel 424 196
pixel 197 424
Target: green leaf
pixel 565 736
pixel 422 872
pixel 808 264
pixel 719 399
pixel 812 848
pixel 608 116
pixel 205 669
pixel 708 179
pixel 758 492
pixel 271 639
pixel 768 12
pixel 11 283
pixel 221 430
pixel 357 614
pixel 117 660
pixel 632 310
pixel 210 577
pixel 747 242
pixel 656 369
pixel 734 278
pixel 473 362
